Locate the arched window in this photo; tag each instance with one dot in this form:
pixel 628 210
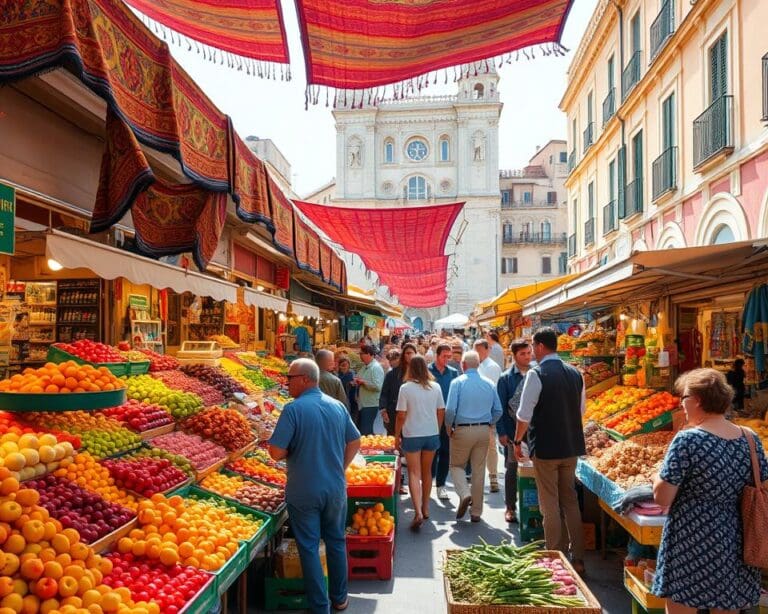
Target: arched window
pixel 546 230
pixel 416 189
pixel 724 234
pixel 445 149
pixel 478 91
pixel 389 151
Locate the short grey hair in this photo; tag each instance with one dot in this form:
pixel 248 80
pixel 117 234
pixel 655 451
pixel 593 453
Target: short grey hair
pixel 480 342
pixel 323 356
pixel 471 359
pixel 305 366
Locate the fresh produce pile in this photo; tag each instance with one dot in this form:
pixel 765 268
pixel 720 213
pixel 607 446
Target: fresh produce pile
pixel 258 496
pixel 596 372
pixel 272 363
pixel 62 378
pixel 140 416
pixel 566 343
pixel 224 341
pixel 200 453
pixel 259 379
pixel 237 372
pixel 505 574
pixel 133 355
pixel 257 470
pixel 177 380
pixel 374 520
pixel 369 475
pixel 634 461
pixel 180 461
pixel 215 377
pixel 160 362
pixel 169 586
pixel 597 440
pixel 263 456
pixel 92 351
pixel 150 390
pixel 12 423
pixel 614 400
pixel 632 420
pixel 756 424
pixel 226 427
pixel 378 443
pixel 32 455
pixel 76 508
pixel 145 476
pixel 88 473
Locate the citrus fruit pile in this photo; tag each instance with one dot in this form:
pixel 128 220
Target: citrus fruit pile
pixel 613 401
pixel 370 475
pixel 32 455
pixel 379 443
pixel 88 473
pixel 632 420
pixel 62 378
pixel 254 468
pixel 373 520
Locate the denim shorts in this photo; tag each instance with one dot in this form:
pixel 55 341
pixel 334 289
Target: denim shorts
pixel 430 443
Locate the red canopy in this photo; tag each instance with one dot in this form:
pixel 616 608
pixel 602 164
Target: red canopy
pixel 403 246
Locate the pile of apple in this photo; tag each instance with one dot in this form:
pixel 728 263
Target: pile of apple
pixel 91 351
pixel 160 362
pixel 76 508
pixel 227 427
pixel 12 423
pixel 140 416
pixel 179 461
pixel 200 452
pixel 150 390
pixel 213 376
pixel 145 476
pixel 29 455
pixel 179 381
pixel 257 496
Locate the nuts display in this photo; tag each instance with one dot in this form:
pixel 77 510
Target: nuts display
pixel 633 462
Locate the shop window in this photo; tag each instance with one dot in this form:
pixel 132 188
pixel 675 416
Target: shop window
pixel 546 265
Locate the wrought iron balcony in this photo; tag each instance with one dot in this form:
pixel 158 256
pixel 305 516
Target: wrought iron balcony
pixel 713 131
pixel 609 105
pixel 634 198
pixel 589 232
pixel 665 173
pixel 609 217
pixel 521 204
pixel 572 245
pixel 630 75
pixel 530 238
pixel 589 135
pixel 765 87
pixel 662 27
pixel 572 159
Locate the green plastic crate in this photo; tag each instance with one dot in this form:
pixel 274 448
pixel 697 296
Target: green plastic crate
pixel 274 515
pixel 203 602
pixel 118 369
pixel 138 367
pixel 285 594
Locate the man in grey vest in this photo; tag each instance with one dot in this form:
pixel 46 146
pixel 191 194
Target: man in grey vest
pixel 551 406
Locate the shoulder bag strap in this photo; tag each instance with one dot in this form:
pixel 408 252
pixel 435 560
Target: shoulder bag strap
pixel 753 456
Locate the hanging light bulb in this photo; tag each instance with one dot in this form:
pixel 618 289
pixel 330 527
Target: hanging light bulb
pixel 54 265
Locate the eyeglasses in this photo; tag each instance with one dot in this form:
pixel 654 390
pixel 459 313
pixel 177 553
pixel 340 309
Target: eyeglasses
pixel 291 375
pixel 684 397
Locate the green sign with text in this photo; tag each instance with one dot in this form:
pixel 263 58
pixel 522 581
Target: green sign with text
pixel 355 322
pixel 7 219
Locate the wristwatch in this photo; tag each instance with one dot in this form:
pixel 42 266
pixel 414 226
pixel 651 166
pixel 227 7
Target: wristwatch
pixel 517 442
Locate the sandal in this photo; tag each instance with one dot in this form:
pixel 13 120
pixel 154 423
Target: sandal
pixel 340 607
pixel 416 524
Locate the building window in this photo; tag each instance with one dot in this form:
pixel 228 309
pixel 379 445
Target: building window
pixel 591 200
pixel 445 150
pixel 478 91
pixel 527 198
pixel 505 197
pixel 416 188
pixel 724 234
pixel 562 263
pixel 668 123
pixel 417 150
pixel 718 65
pixel 551 198
pixel 509 266
pixel 546 230
pixel 389 151
pixel 507 232
pixel 563 157
pixel 546 265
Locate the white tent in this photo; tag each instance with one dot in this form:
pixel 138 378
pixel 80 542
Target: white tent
pixel 455 320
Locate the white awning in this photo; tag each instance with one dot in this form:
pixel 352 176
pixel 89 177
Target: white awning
pixel 254 298
pixel 107 262
pixel 302 309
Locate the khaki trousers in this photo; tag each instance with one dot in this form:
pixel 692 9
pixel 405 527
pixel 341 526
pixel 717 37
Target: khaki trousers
pixel 470 443
pixel 492 461
pixel 555 481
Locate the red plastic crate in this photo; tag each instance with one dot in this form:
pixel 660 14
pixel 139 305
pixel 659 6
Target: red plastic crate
pixel 370 558
pixel 375 491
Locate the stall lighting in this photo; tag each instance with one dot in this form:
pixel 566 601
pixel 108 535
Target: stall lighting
pixel 260 288
pixel 300 318
pixel 54 265
pixel 283 317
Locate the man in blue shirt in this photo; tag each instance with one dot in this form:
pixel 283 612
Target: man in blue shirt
pixel 316 436
pixel 443 375
pixel 472 408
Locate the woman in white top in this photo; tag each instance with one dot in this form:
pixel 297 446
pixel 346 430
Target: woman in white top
pixel 420 413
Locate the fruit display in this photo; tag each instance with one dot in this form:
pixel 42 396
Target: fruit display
pixel 264 422
pixel 150 390
pixel 226 427
pixel 202 533
pixel 566 343
pixel 614 400
pixel 263 456
pixel 377 443
pixel 76 508
pixel 634 461
pixel 260 380
pixel 88 473
pixel 257 496
pixel 756 424
pixel 178 460
pixel 200 452
pixel 170 587
pixel 237 372
pixel 272 363
pixel 11 423
pixel 370 474
pixel 159 362
pixel 254 468
pixel 632 420
pixel 140 416
pixel 596 439
pixel 145 476
pixel 91 351
pixel 596 372
pixel 133 355
pixel 374 520
pixel 224 341
pixel 32 455
pixel 62 378
pixel 213 376
pixel 177 380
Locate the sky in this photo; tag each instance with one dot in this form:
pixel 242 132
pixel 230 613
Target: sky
pixel 530 90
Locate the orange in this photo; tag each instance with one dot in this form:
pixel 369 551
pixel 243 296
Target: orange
pixel 60 543
pixel 27 497
pixel 53 569
pixel 15 544
pixel 8 486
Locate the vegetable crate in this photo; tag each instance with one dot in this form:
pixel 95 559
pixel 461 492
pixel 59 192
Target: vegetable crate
pixel 633 582
pixel 370 558
pixel 390 505
pixel 529 514
pixel 285 594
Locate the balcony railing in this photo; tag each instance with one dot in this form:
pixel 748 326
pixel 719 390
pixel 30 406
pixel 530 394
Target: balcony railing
pixel 521 204
pixel 765 87
pixel 541 238
pixel 713 131
pixel 630 75
pixel 572 159
pixel 589 232
pixel 665 173
pixel 589 135
pixel 634 198
pixel 609 217
pixel 662 27
pixel 572 245
pixel 609 105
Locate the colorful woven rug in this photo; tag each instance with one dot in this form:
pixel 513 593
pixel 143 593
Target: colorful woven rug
pixel 307 246
pixel 326 254
pixel 281 210
pixel 249 179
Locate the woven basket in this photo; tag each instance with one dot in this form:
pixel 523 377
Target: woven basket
pixel 592 606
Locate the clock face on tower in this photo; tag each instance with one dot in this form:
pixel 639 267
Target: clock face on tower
pixel 416 150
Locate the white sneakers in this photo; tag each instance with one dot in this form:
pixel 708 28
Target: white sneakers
pixel 442 493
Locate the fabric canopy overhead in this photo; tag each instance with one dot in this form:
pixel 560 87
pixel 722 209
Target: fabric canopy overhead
pixel 254 298
pixel 455 320
pixel 508 302
pixel 401 231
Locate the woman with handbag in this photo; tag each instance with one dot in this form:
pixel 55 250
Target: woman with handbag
pixel 707 472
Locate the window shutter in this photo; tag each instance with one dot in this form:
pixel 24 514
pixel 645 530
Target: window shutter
pixel 622 180
pixel 718 56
